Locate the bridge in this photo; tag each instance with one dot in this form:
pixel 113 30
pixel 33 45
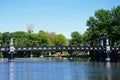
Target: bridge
pixel 59 48
pixel 11 49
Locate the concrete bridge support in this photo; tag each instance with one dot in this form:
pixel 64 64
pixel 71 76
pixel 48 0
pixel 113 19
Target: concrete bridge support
pixel 108 51
pixel 11 56
pixel 50 53
pixel 11 50
pixel 101 52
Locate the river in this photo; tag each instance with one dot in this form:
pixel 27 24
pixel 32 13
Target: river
pixel 58 69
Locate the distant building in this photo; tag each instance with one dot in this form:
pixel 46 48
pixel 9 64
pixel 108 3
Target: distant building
pixel 30 29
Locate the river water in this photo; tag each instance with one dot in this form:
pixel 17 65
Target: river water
pixel 58 69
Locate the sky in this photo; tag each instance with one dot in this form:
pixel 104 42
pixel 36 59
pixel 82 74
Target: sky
pixel 59 16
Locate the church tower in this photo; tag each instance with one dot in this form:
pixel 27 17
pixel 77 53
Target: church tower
pixel 30 29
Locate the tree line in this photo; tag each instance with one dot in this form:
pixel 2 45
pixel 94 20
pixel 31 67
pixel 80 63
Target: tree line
pixel 41 38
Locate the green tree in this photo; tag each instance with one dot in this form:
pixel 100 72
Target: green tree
pixel 76 39
pixel 85 39
pixel 59 40
pixel 116 15
pixel 100 23
pixel 18 37
pixel 105 22
pixel 50 36
pixel 34 39
pixel 42 38
pixel 6 37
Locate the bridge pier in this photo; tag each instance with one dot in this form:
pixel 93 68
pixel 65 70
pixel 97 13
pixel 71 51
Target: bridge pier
pixel 31 55
pixel 50 54
pixel 107 56
pixel 11 50
pixel 108 51
pixel 11 56
pixel 101 52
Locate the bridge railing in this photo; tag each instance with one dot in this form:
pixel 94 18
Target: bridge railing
pixel 115 48
pixel 59 48
pixel 4 49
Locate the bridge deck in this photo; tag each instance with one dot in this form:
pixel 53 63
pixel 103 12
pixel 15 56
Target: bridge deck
pixel 59 48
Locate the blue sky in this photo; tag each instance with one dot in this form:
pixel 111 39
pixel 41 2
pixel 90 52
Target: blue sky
pixel 59 16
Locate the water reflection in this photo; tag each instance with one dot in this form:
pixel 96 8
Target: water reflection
pixel 104 70
pixel 58 69
pixel 109 73
pixel 10 71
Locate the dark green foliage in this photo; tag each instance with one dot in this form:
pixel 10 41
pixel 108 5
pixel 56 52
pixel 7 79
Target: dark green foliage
pixel 5 38
pixel 76 39
pixel 42 38
pixel 104 22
